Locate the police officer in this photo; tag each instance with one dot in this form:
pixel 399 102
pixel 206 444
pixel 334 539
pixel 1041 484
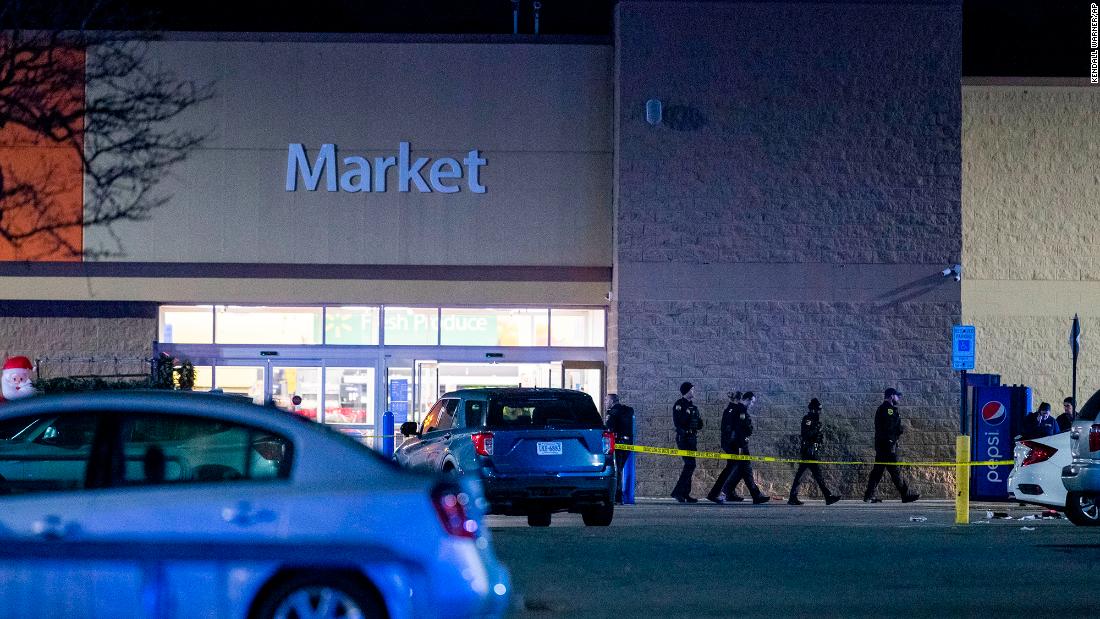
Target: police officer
pixel 811 443
pixel 685 416
pixel 620 421
pixel 718 492
pixel 742 430
pixel 887 431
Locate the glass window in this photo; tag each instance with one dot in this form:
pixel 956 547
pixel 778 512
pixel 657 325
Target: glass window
pixel 431 420
pixel 447 414
pixel 170 448
pixel 411 326
pixel 47 454
pixel 187 324
pixel 543 411
pixel 349 395
pixel 351 325
pixel 472 418
pixel 267 325
pixel 242 379
pixel 297 389
pixel 494 327
pixel 577 327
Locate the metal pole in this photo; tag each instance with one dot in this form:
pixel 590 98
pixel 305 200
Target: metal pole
pixel 387 433
pixel 963 429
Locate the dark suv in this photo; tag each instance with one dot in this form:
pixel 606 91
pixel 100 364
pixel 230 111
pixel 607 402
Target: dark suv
pixel 537 451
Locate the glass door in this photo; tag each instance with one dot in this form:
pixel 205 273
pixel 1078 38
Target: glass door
pixel 427 387
pixel 297 388
pixel 586 376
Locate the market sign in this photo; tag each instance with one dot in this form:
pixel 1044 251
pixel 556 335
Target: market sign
pixel 355 174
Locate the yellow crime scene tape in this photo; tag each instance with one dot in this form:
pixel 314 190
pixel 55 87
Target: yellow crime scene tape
pixel 668 451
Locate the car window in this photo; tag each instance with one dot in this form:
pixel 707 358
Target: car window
pixel 447 414
pixel 10 428
pixel 431 420
pixel 543 411
pixel 471 417
pixel 161 449
pixel 53 458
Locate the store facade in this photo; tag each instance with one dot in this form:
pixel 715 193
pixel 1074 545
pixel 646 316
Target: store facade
pixel 375 220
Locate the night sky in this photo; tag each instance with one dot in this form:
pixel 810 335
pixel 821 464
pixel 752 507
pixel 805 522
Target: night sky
pixel 1000 37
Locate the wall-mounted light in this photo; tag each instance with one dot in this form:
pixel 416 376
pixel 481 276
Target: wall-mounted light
pixel 653 112
pixel 955 269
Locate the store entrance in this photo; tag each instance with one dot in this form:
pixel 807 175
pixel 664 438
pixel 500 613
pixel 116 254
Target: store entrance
pixel 430 379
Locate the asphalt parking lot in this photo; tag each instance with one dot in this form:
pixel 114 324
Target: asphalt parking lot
pixel 663 559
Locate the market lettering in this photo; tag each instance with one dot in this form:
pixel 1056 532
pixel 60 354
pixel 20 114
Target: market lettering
pixel 356 174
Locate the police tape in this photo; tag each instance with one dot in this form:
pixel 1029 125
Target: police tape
pixel 714 455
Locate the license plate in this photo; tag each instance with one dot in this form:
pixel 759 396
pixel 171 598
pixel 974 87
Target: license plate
pixel 549 449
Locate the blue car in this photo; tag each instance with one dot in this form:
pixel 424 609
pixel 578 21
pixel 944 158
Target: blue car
pixel 537 451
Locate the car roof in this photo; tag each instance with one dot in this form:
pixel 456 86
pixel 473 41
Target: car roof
pixel 513 391
pixel 143 400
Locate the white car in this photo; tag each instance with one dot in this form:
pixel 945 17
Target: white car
pixel 1036 475
pixel 168 504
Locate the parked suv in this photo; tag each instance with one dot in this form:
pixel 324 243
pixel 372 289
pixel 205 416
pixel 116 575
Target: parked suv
pixel 1082 476
pixel 537 451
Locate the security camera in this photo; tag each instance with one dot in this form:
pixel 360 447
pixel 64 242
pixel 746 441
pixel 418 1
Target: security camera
pixel 955 270
pixel 946 272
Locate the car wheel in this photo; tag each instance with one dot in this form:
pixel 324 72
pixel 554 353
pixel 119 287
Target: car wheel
pixel 1083 509
pixel 598 516
pixel 538 519
pixel 316 596
pixel 449 471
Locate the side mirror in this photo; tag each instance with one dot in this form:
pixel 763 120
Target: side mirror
pixel 408 428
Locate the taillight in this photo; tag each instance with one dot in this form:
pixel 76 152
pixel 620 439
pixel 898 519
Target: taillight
pixel 608 442
pixel 1094 437
pixel 1037 452
pixel 483 443
pixel 450 506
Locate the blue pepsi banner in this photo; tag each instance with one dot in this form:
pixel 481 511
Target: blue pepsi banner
pixel 992 440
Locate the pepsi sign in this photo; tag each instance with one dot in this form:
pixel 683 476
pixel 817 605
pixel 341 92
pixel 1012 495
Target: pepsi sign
pixel 994 413
pixel 992 440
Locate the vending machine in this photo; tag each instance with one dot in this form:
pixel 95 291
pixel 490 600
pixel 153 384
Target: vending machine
pixel 997 418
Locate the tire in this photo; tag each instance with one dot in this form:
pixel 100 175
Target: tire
pixel 598 516
pixel 302 597
pixel 538 519
pixel 1083 509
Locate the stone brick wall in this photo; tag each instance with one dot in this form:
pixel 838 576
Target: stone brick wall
pixel 782 230
pixel 66 346
pixel 1031 181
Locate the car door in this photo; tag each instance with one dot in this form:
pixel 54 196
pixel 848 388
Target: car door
pixel 441 434
pixel 46 495
pixel 415 451
pixel 192 477
pixel 43 475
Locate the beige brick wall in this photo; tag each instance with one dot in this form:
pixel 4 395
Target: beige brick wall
pixel 1031 182
pixel 68 346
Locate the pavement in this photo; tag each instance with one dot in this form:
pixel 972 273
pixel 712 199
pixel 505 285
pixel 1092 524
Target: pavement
pixel 660 558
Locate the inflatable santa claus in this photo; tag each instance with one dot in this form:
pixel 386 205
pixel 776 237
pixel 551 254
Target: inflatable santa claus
pixel 15 381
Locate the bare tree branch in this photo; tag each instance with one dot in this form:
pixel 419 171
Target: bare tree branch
pixel 83 109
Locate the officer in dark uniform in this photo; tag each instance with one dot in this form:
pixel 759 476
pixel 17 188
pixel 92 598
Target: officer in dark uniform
pixel 718 492
pixel 685 416
pixel 742 430
pixel 887 431
pixel 812 436
pixel 620 421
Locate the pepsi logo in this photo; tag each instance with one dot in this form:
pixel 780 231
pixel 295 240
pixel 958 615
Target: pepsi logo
pixel 994 412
